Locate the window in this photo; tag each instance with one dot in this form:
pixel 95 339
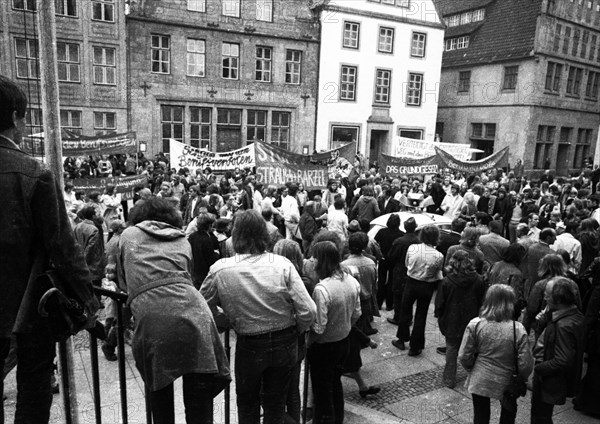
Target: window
pixel 584 44
pixel 231 8
pixel 196 5
pixel 511 74
pixel 105 123
pixel 34 123
pixel 343 134
pixel 27 58
pixel 574 80
pixel 415 86
pixel 565 135
pixel 103 10
pixel 399 3
pixel 553 76
pixel 280 129
pixel 383 79
pixel 230 58
pixel 172 125
pixel 293 66
pixel 591 88
pixel 348 82
pixel 200 127
pixel 257 125
pixel 65 7
pixel 457 43
pixel 567 41
pixel 593 47
pixel 418 44
pixel 453 20
pixel 582 148
pixel 229 129
pixel 466 17
pixel 410 133
pixel 464 81
pixel 67 55
pixel 71 120
pixel 161 54
pixel 105 66
pixel 351 34
pixel 483 136
pixel 25 5
pixel 544 141
pixel 557 34
pixel 196 57
pixel 264 57
pixel 576 36
pixel 386 40
pixel 264 10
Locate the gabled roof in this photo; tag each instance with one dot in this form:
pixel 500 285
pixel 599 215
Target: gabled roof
pixel 507 32
pixel 451 7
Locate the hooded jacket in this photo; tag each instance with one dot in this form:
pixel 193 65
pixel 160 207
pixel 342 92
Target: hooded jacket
pixel 366 208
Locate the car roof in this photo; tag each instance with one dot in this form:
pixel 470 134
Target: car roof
pixel 422 219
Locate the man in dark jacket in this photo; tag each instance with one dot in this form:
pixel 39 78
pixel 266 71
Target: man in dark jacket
pixel 559 358
pixel 35 230
pixel 90 240
pixel 452 237
pixel 535 252
pixel 386 203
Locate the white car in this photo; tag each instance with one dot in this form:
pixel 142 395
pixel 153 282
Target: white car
pixel 422 218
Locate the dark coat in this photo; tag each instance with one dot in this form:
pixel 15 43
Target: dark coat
pixel 447 239
pixel 529 265
pixel 34 229
pixel 91 242
pixel 205 252
pixel 392 206
pixel 397 258
pixel 308 226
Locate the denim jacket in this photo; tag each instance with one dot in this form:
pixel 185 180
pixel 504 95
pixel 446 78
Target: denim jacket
pixel 34 230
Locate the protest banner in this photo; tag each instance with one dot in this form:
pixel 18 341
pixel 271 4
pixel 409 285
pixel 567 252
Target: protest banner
pixel 496 160
pixel 186 156
pixel 277 166
pixel 338 161
pixel 125 143
pixel 123 185
pixel 419 149
pixel 398 167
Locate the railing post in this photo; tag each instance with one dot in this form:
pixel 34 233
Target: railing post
pixel 95 378
pixel 148 405
pixel 121 359
pixel 67 379
pixel 227 388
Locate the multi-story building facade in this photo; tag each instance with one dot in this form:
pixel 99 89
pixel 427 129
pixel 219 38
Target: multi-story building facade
pixel 524 75
pixel 380 65
pixel 90 52
pixel 221 74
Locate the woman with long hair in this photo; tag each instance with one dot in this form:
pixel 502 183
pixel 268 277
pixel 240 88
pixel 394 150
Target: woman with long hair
pixel 175 334
pixel 487 353
pixel 590 243
pixel 205 247
pixel 337 296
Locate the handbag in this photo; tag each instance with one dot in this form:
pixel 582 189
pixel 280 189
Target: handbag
pixel 517 386
pixel 66 315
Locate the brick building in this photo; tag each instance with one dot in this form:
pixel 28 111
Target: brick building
pixel 524 75
pixel 219 74
pixel 91 63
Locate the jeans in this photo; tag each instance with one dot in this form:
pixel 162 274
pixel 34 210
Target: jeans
pixel 384 285
pixel 452 346
pixel 420 292
pixel 481 411
pixel 197 398
pixel 326 362
pixel 263 368
pixel 541 412
pixel 35 362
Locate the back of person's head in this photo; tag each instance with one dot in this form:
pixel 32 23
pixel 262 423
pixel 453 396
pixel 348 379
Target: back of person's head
pixel 563 291
pixel 267 214
pixel 393 222
pixel 326 235
pixel 410 225
pixel 87 212
pixel 514 253
pixel 249 234
pixel 12 99
pixel 483 218
pixel 358 242
pixel 565 256
pixel 94 196
pixel 552 265
pixel 430 234
pixel 588 225
pixel 310 208
pixel 546 234
pixel 458 225
pixel 460 263
pixel 204 221
pixel 339 203
pixel 365 225
pixel 499 303
pixel 496 226
pixel 156 209
pixel 328 259
pixel 522 230
pixel 69 186
pixel 291 250
pixel 572 224
pixel 470 236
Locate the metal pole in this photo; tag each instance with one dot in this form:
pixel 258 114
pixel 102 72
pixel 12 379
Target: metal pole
pixel 305 391
pixel 121 348
pixel 66 383
pixel 227 388
pixel 95 377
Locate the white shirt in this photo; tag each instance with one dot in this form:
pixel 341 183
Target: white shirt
pixel 567 242
pixel 289 209
pixel 451 205
pixel 337 222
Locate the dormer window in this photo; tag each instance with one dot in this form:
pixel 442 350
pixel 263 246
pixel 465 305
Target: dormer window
pixel 465 17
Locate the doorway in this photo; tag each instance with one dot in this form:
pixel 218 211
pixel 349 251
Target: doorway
pixel 562 160
pixel 379 139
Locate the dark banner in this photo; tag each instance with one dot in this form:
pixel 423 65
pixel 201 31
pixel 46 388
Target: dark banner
pixel 123 185
pixel 125 143
pixel 397 167
pixel 339 161
pixel 275 166
pixel 497 160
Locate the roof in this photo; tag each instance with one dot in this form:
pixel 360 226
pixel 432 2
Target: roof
pixel 506 33
pixel 450 7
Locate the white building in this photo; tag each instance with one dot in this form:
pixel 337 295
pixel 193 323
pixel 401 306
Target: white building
pixel 379 72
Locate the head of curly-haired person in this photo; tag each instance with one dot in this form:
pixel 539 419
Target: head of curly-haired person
pixel 13 106
pixel 249 234
pixel 156 209
pixel 357 243
pixel 460 263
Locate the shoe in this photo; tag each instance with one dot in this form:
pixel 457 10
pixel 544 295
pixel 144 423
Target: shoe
pixel 412 352
pixel 371 390
pixel 441 350
pixel 309 413
pixel 371 331
pixel 449 384
pixel 109 354
pixel 398 344
pixel 392 321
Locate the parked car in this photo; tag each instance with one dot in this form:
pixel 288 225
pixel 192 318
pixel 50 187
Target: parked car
pixel 422 218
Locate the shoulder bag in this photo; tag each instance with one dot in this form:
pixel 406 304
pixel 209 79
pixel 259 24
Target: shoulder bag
pixel 517 386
